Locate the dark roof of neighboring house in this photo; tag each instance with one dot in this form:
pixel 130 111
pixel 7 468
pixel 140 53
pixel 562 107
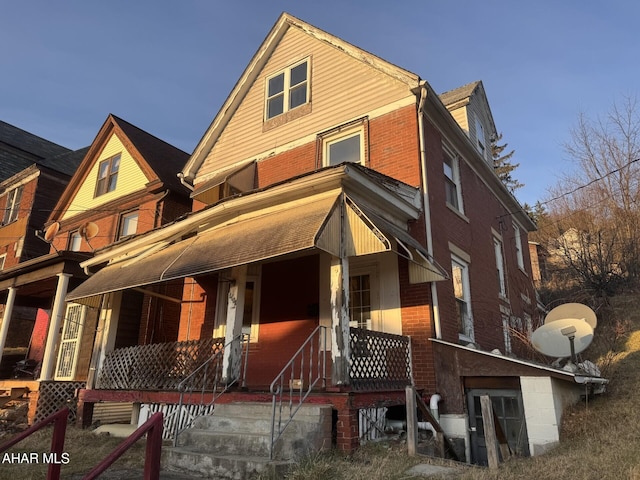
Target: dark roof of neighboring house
pixel 165 159
pixel 459 93
pixel 66 162
pixel 19 149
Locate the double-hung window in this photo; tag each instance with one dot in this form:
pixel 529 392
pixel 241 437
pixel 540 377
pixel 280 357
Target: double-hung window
pixel 518 245
pixel 461 290
pixel 502 285
pixel 452 181
pixel 480 139
pixel 287 89
pixel 12 207
pixel 128 225
pixel 107 175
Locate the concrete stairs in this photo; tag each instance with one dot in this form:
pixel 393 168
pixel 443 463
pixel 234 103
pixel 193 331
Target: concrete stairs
pixel 234 442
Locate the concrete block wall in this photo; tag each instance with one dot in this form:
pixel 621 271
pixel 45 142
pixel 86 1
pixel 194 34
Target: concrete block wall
pixel 544 400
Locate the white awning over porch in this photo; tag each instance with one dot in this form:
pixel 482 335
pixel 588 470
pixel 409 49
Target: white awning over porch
pixel 319 222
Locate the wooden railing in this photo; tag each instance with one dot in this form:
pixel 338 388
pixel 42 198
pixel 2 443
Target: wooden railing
pixel 59 420
pixel 153 429
pixel 306 370
pixel 159 366
pixel 379 361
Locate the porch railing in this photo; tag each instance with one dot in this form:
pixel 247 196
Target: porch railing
pixel 306 370
pixel 159 366
pixel 379 361
pixel 209 378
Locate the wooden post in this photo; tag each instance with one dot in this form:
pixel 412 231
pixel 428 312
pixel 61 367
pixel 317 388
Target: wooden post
pixel 490 438
pixel 340 321
pixel 412 421
pixel 235 313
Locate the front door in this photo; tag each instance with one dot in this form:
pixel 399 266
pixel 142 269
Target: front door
pixel 507 404
pixel 70 341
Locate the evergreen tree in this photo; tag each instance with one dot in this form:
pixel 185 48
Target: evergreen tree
pixel 502 164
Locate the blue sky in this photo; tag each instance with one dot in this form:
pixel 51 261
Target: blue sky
pixel 168 66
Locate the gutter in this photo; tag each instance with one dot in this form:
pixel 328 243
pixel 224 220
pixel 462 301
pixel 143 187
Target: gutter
pixel 425 202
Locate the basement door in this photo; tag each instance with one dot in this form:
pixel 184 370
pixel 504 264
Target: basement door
pixel 507 404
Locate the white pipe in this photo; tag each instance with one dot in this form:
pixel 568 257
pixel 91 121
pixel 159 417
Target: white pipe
pixel 427 426
pixel 427 210
pixel 433 406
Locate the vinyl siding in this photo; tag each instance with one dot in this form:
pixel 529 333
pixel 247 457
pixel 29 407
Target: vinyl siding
pixel 130 179
pixel 342 89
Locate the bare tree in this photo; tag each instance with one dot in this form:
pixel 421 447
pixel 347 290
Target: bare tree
pixel 594 216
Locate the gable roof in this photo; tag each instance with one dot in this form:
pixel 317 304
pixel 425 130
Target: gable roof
pixel 460 93
pixel 461 96
pixel 159 160
pixel 19 149
pixel 260 58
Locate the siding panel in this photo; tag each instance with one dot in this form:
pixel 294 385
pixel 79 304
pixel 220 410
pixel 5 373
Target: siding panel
pixel 342 89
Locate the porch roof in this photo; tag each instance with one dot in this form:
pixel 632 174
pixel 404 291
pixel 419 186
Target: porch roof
pixel 330 222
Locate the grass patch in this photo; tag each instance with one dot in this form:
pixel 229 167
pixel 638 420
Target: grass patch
pixel 85 450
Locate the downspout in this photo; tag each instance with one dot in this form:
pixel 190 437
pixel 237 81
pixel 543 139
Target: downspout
pixel 184 182
pixel 427 209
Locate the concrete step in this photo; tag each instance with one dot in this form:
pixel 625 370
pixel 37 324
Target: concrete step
pixel 225 443
pixel 208 465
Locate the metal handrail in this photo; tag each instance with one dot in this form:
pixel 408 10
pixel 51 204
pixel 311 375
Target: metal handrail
pixel 59 420
pixel 153 450
pixel 202 373
pixel 314 372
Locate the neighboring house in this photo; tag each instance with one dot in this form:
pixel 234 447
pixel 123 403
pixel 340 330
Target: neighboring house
pixel 20 149
pixel 124 184
pixel 25 203
pixel 335 194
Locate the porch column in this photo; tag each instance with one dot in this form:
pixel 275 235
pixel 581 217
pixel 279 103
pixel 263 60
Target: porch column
pixel 6 318
pixel 340 321
pixel 57 312
pixel 235 314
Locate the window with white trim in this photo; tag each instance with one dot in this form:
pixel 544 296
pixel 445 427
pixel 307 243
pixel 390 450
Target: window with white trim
pixel 462 293
pixel 346 146
pixel 3 259
pixel 107 175
pixel 12 207
pixel 128 224
pixel 287 89
pixel 452 181
pixel 75 241
pixel 502 285
pixel 480 139
pixel 518 245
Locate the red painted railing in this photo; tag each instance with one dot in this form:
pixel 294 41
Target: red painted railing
pixel 59 420
pixel 152 454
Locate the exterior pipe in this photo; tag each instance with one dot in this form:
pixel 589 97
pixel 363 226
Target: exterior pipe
pixel 184 182
pixel 427 210
pixel 433 406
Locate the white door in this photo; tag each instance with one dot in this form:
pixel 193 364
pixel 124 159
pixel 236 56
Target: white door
pixel 70 341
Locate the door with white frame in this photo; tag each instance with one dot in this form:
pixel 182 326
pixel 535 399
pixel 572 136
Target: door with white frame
pixel 74 320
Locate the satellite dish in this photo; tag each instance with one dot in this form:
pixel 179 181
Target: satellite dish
pixel 572 310
pixel 51 232
pixel 554 339
pixel 89 230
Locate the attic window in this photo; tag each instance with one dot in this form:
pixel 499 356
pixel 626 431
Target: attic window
pixel 107 175
pixel 480 138
pixel 287 89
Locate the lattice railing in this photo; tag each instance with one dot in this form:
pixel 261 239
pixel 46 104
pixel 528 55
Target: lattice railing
pixel 54 395
pixel 379 361
pixel 160 366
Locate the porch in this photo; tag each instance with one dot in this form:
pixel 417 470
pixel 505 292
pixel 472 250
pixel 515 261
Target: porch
pixel 186 379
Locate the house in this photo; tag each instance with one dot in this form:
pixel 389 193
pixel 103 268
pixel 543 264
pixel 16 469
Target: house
pixel 25 199
pixel 123 184
pixel 348 238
